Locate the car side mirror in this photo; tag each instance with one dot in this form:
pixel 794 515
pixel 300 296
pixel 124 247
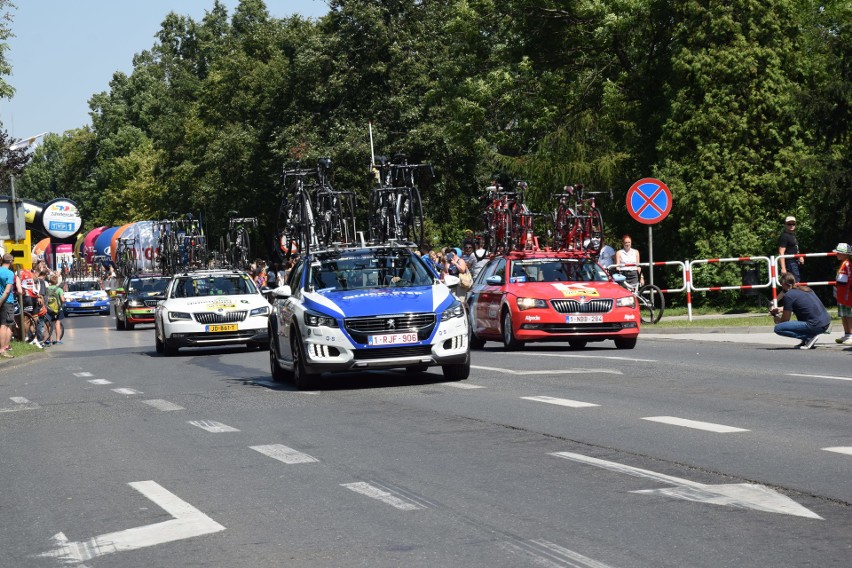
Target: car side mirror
pixel 494 280
pixel 282 291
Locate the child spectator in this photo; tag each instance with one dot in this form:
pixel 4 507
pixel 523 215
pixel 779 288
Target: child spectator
pixel 843 292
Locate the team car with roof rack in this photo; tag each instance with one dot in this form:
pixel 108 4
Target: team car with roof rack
pixel 550 296
pixel 211 308
pixel 365 308
pixel 136 299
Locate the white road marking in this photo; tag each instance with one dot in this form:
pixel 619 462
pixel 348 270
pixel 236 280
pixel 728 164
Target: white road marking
pixel 21 403
pixel 127 391
pixel 820 376
pixel 188 522
pixel 840 450
pixel 560 401
pixel 284 454
pixel 550 554
pixel 574 371
pixel 708 426
pixel 100 382
pixel 210 426
pixel 573 356
pixel 277 386
pixel 163 405
pixel 462 385
pixel 741 495
pixel 83 374
pixel 381 495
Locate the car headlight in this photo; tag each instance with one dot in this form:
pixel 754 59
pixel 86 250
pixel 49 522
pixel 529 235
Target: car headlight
pixel 175 316
pixel 316 319
pixel 456 310
pixel 262 311
pixel 135 303
pixel 531 304
pixel 626 302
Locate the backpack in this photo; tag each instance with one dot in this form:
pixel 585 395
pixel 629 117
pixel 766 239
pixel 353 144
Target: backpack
pixel 53 300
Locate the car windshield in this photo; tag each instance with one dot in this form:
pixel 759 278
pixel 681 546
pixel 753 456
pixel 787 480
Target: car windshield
pixel 213 285
pixel 149 285
pixel 557 270
pixel 83 286
pixel 375 268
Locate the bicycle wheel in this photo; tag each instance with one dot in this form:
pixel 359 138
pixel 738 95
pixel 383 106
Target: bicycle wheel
pixel 409 213
pixel 243 248
pixel 562 223
pixel 651 303
pixel 378 217
pixel 594 233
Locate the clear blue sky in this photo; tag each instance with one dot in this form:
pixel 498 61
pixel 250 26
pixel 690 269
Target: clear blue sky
pixel 64 51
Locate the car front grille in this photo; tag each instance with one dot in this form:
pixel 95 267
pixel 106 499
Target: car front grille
pixel 151 303
pixel 575 307
pixel 215 317
pixel 393 352
pixel 360 328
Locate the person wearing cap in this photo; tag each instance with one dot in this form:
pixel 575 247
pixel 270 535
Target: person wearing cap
pixel 789 244
pixel 8 292
pixel 843 291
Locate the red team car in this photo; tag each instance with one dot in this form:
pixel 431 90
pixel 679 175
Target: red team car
pixel 550 296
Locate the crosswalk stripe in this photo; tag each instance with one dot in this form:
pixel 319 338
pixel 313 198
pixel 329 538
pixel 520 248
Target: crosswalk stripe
pixel 560 401
pixel 211 426
pixel 708 426
pixel 284 454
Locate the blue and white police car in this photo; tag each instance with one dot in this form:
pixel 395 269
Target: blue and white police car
pixel 370 307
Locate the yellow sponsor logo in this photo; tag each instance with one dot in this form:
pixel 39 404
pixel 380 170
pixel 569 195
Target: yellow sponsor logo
pixel 569 290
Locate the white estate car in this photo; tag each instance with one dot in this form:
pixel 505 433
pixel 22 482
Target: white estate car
pixel 211 307
pixel 365 308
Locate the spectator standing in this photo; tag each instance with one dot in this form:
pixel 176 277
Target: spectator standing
pixel 8 291
pixel 843 291
pixel 469 256
pixel 272 275
pixel 607 256
pixel 812 319
pixel 629 256
pixel 55 312
pixel 29 319
pixel 789 244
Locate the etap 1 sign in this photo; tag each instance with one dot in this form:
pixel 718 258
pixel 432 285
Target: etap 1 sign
pixel 61 219
pixel 649 201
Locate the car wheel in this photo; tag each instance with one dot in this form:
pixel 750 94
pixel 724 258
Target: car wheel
pixel 301 377
pixel 169 348
pixel 509 340
pixel 625 343
pixel 119 323
pixel 416 369
pixel 475 341
pixel 577 343
pixel 129 326
pixel 458 372
pixel 157 343
pixel 278 372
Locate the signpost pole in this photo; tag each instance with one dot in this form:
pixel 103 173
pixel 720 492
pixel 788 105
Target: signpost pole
pixel 651 254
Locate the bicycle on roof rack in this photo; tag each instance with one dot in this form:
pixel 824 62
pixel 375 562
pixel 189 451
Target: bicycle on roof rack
pixel 295 230
pixel 509 224
pixel 334 210
pixel 577 222
pixel 181 245
pixel 238 241
pixel 125 257
pixel 396 209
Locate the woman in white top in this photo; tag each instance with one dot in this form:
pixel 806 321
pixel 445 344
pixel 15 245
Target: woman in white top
pixel 630 256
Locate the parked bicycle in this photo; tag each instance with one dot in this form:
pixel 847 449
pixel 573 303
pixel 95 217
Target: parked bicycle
pixel 650 298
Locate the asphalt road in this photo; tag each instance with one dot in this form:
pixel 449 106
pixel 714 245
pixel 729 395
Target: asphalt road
pixel 677 453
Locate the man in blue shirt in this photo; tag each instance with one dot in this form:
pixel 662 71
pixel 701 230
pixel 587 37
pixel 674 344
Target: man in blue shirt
pixel 7 305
